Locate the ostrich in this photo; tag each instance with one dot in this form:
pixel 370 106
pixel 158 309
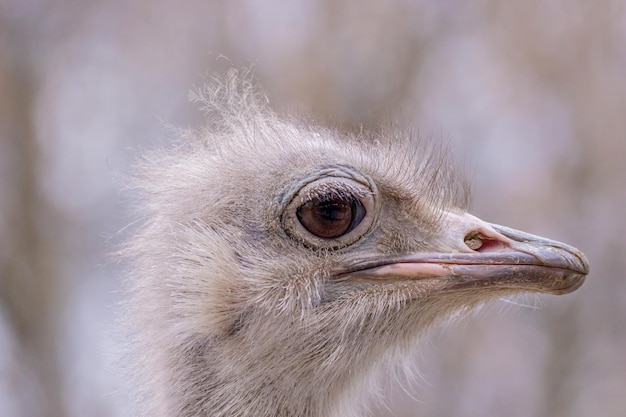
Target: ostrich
pixel 279 265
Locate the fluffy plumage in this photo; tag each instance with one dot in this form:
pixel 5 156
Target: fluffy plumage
pixel 239 311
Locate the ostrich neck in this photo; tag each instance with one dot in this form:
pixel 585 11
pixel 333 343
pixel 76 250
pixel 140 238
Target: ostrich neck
pixel 217 379
pixel 302 369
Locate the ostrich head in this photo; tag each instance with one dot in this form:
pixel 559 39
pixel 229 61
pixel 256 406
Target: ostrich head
pixel 279 262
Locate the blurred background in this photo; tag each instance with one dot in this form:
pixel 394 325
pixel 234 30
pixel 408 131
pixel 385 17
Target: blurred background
pixel 531 97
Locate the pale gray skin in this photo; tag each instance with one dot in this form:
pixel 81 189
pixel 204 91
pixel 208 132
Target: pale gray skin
pixel 238 311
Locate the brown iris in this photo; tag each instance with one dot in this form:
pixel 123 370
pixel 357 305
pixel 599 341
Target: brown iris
pixel 331 217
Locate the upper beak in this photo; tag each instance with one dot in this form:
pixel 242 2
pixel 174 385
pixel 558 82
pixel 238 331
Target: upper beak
pixel 485 255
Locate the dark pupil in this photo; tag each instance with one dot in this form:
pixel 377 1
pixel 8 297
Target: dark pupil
pixel 333 211
pixel 331 218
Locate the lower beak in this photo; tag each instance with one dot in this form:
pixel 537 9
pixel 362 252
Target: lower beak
pixel 493 257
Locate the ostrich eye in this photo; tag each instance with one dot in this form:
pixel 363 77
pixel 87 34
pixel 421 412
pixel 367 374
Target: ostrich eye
pixel 331 218
pixel 331 212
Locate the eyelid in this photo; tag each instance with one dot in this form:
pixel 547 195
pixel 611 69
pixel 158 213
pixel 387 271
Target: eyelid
pixel 333 190
pixel 337 172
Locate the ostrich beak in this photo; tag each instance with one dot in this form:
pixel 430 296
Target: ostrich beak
pixel 486 255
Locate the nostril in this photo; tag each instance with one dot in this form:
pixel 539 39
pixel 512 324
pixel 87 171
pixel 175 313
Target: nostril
pixel 478 242
pixel 474 241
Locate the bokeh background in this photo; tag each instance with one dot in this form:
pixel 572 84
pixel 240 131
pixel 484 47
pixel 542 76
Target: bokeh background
pixel 530 96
